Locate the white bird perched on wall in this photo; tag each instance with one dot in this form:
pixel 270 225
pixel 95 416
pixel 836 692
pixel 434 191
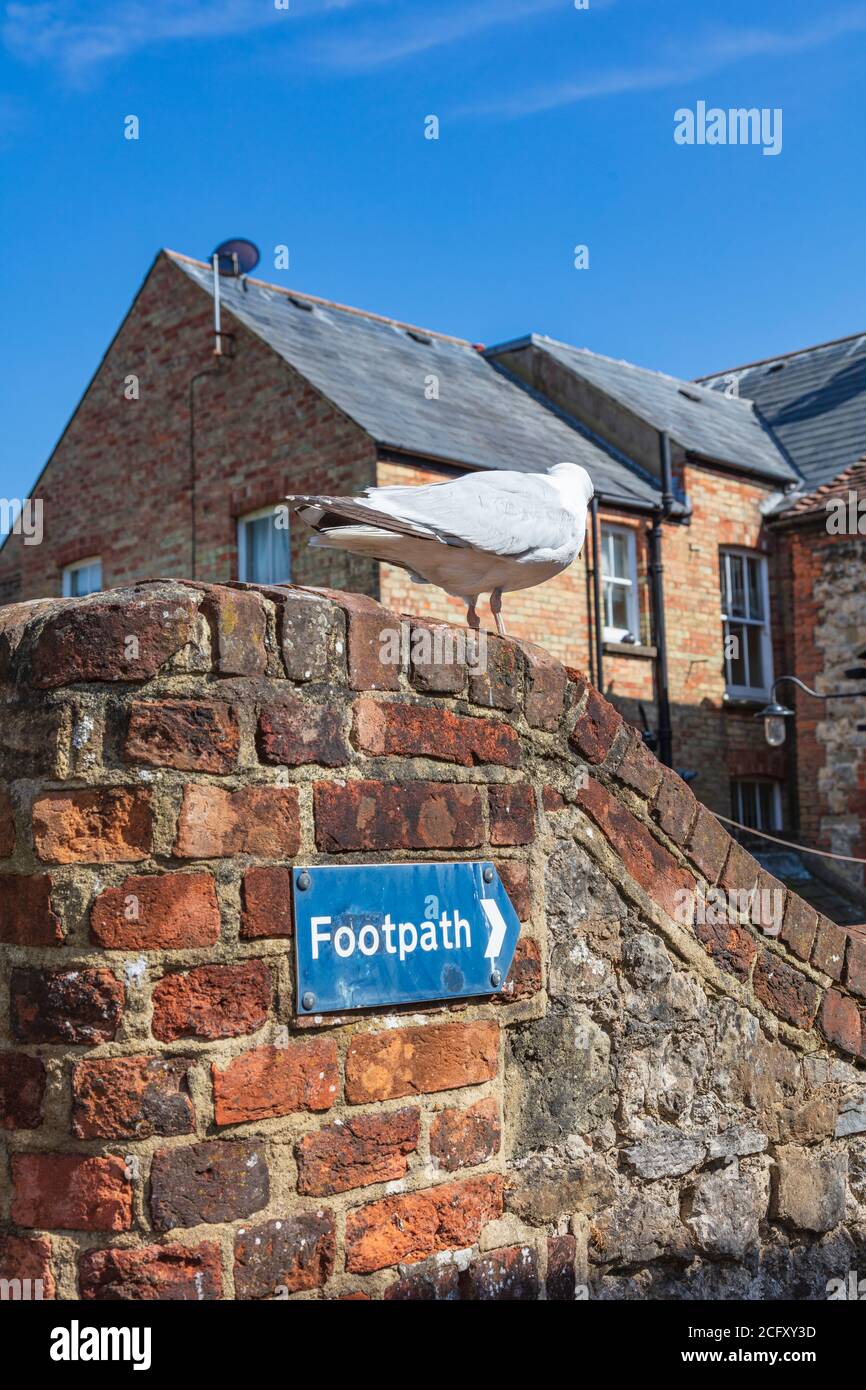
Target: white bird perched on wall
pixel 486 532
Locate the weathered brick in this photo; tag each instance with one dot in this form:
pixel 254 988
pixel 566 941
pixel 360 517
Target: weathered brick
pixel 220 1180
pixel 215 823
pixel 785 991
pixel 561 1283
pixel 93 826
pixel 417 731
pixel 499 685
pixel 514 874
pixel 799 926
pixel 708 846
pixel 266 897
pixel 297 731
pixel 435 1283
pixel 192 735
pixel 212 1001
pixel 26 915
pixel 731 947
pixel 828 953
pixel 855 965
pixel 503 1276
pixel 438 658
pixel 675 807
pixel 71 1192
pixel 524 978
pixel 360 1150
pixel 270 1081
pixel 239 624
pixel 465 1138
pixel 839 1021
pixel 155 912
pixel 27 1259
pixel 65 1006
pixel 640 771
pixel 596 726
pixel 131 1098
pixel 179 1273
pixel 368 624
pixel 414 1225
pixel 22 1088
pixel 367 815
pixel 285 1257
pixel 648 862
pixel 512 814
pixel 412 1061
pixel 312 634
pixel 546 684
pixel 740 874
pixel 552 801
pixel 7 825
pixel 112 639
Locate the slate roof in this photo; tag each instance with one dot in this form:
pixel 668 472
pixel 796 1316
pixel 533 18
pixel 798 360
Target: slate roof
pixel 702 421
pixel 374 370
pixel 813 400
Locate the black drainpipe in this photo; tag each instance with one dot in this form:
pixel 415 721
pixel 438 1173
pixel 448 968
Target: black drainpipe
pixel 596 595
pixel 656 569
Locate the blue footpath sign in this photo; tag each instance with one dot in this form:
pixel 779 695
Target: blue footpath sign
pixel 368 935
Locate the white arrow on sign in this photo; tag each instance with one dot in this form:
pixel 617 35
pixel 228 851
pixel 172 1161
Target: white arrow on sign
pixel 496 922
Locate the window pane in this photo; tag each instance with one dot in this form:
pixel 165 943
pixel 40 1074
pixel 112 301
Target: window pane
pixel 736 595
pixel 267 551
pixel 615 554
pixel 85 579
pixel 734 647
pixel 767 803
pixel 754 637
pixel 756 589
pixel 618 606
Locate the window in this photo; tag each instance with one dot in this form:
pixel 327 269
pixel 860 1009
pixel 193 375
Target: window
pixel 263 547
pixel 745 618
pixel 619 585
pixel 84 577
pixel 757 804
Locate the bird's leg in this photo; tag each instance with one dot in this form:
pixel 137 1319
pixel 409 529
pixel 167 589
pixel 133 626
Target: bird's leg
pixel 496 610
pixel 472 617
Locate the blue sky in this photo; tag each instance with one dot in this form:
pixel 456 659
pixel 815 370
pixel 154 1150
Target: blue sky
pixel 305 126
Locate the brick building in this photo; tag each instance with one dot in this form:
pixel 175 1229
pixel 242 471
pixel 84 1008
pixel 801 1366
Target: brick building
pixel 175 460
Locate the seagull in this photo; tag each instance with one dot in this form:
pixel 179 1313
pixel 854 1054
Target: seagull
pixel 490 532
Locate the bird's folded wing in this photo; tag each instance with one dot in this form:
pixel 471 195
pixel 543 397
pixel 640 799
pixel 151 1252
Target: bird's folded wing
pixel 325 513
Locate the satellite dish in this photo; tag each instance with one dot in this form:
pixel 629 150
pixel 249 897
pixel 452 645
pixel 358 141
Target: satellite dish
pixel 235 257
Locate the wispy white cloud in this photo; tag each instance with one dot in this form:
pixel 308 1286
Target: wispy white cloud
pixel 670 65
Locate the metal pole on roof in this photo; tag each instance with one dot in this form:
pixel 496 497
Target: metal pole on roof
pixel 218 346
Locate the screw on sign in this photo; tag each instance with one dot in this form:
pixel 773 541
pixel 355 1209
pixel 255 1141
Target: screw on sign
pixel 382 934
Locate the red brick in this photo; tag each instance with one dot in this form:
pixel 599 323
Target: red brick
pixel 28 1260
pixel 150 1273
pixel 799 926
pixel 639 770
pixel 272 1081
pixel 239 624
pixel 514 874
pixel 785 991
pixel 65 1006
pixel 855 965
pixel 445 672
pixel 367 815
pixel 552 801
pixel 360 1150
pixel 417 731
pixel 312 634
pixel 7 825
pixel 708 846
pixel 740 874
pixel 512 814
pixel 499 686
pixel 22 1088
pixel 131 1098
pixel 675 807
pixel 193 735
pixel 212 1001
pixel 298 731
pixel 96 826
pixel 839 1021
pixel 465 1138
pixel 157 912
pixel 368 622
pixel 435 1283
pixel 266 897
pixel 410 1227
pixel 285 1257
pixel 26 915
pixel 218 1181
pixel 561 1283
pixel 71 1192
pixel 412 1061
pixel 111 639
pixel 216 823
pixel 546 684
pixel 828 954
pixel 503 1276
pixel 596 727
pixel 731 947
pixel 524 977
pixel 648 862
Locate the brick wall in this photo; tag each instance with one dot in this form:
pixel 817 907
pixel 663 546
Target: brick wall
pixel 655 1107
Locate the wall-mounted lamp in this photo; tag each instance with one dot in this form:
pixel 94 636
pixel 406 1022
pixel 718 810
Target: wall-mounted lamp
pixel 774 714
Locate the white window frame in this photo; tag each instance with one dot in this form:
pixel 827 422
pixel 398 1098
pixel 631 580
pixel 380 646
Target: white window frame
pixel 629 583
pixel 243 575
pixel 748 692
pixel 69 570
pixel 737 785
